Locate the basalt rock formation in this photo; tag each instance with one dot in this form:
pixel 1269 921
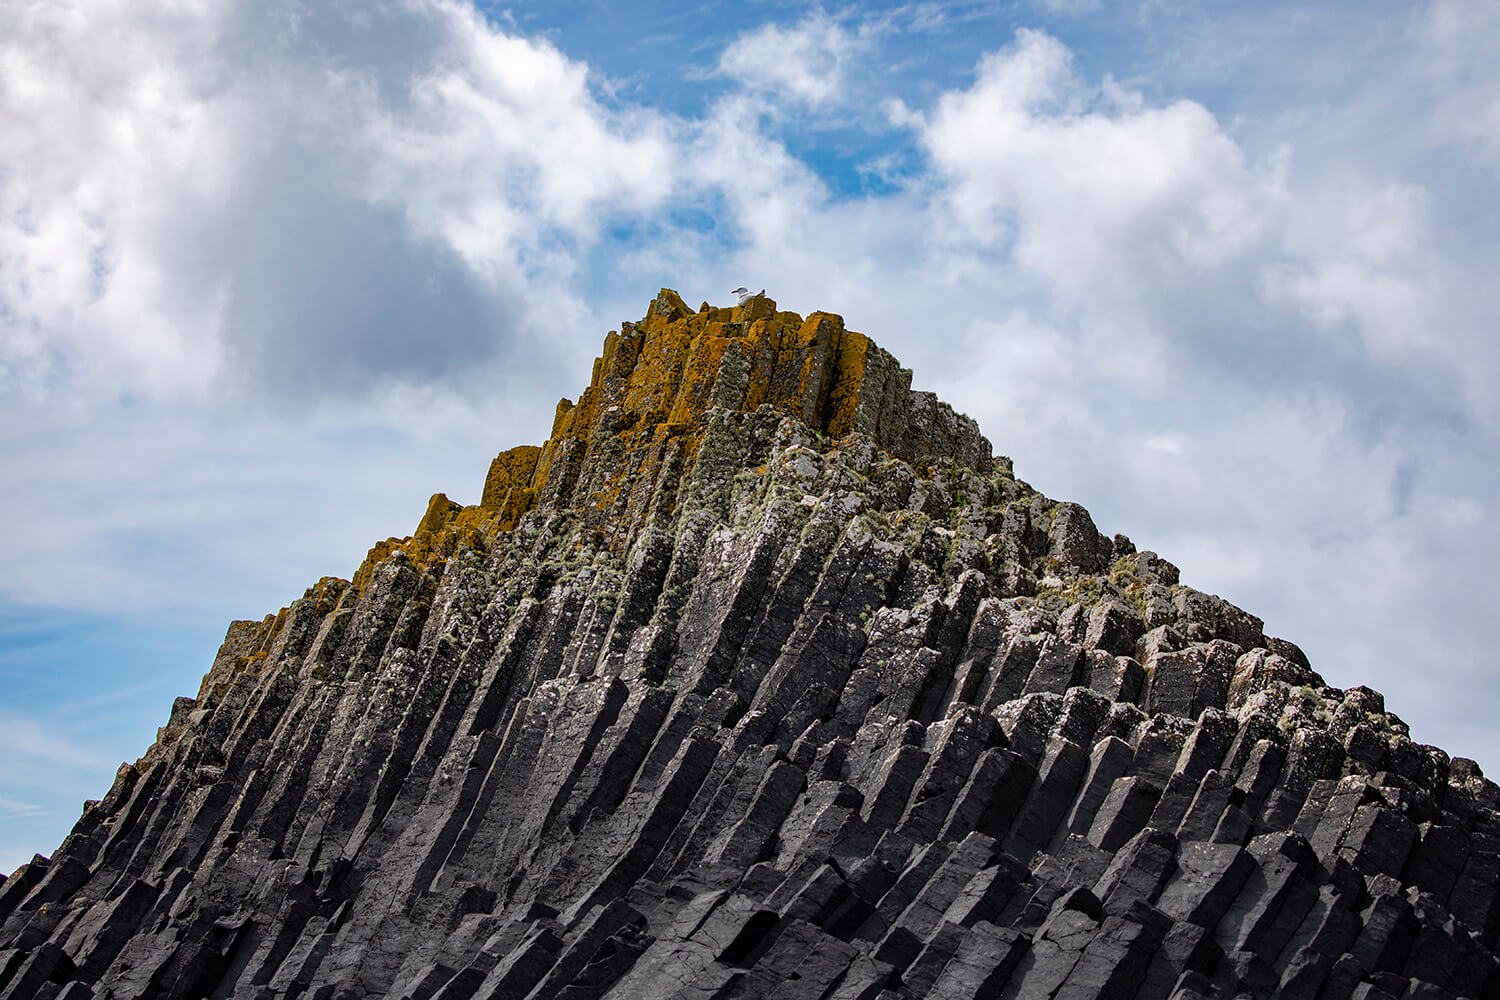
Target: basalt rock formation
pixel 762 677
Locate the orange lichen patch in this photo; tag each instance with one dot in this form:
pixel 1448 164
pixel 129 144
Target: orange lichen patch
pixel 517 503
pixel 638 425
pixel 440 511
pixel 841 408
pixel 655 379
pixel 658 380
pixel 564 408
pixel 444 528
pixel 673 368
pixel 665 308
pixel 326 590
pixel 510 473
pixel 754 308
pixel 802 367
pixel 697 379
pixel 618 359
pixel 379 553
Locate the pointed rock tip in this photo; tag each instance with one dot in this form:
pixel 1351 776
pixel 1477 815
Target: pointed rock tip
pixel 668 306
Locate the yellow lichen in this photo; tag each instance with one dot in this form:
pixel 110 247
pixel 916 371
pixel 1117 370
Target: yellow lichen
pixel 507 488
pixel 646 406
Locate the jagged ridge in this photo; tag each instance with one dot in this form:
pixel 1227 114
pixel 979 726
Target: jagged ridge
pixel 763 677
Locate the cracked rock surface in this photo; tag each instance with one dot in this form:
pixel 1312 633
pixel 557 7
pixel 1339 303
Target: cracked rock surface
pixel 763 677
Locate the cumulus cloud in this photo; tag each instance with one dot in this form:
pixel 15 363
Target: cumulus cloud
pixel 1362 260
pixel 1087 182
pixel 292 201
pixel 805 63
pixel 501 144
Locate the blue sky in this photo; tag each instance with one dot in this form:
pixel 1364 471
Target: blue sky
pixel 272 273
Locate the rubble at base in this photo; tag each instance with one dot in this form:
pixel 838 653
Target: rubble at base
pixel 763 678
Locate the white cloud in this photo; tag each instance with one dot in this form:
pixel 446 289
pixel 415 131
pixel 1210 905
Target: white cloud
pixel 1362 259
pixel 1458 40
pixel 767 189
pixel 502 142
pixel 206 194
pixel 102 143
pixel 1090 187
pixel 806 62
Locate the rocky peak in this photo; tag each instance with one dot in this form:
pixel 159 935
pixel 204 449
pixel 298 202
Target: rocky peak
pixel 664 388
pixel 762 677
pixel 657 384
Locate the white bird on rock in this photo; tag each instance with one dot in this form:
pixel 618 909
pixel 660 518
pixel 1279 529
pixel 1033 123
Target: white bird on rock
pixel 744 293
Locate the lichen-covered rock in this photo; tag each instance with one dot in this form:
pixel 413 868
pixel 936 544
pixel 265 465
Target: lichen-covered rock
pixel 763 677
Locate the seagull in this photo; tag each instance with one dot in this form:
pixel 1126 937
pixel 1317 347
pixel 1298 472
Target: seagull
pixel 744 293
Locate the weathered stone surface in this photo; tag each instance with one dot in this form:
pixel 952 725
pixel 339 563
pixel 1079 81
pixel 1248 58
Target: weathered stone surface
pixel 763 677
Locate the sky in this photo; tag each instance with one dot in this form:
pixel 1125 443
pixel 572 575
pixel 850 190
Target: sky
pixel 272 273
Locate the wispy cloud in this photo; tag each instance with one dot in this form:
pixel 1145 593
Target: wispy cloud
pixel 12 808
pixel 89 705
pixel 28 743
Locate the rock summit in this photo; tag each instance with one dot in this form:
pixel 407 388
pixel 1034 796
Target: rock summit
pixel 764 677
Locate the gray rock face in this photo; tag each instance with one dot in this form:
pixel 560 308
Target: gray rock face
pixel 717 696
